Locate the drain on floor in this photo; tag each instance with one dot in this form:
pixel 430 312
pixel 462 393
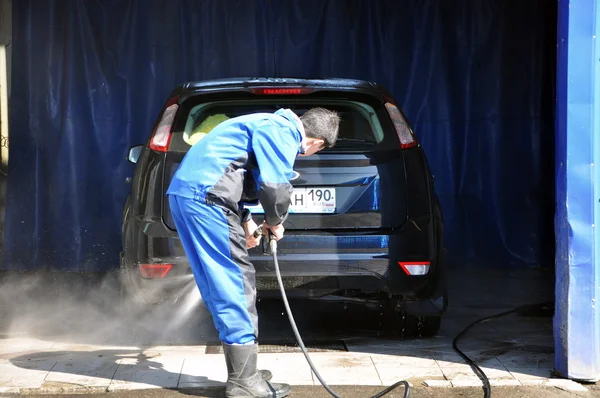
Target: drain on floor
pixel 284 347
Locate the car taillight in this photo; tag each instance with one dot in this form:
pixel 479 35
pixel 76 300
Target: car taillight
pixel 162 135
pixel 153 271
pixel 405 134
pixel 415 268
pixel 282 91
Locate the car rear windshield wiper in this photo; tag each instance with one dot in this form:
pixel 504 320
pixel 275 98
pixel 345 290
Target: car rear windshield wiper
pixel 345 142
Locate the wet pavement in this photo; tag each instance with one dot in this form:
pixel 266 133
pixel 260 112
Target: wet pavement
pixel 70 333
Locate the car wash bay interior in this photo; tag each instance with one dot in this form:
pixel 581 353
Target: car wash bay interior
pixel 503 95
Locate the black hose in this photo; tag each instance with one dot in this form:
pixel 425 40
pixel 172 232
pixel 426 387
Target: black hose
pixel 273 247
pixel 487 389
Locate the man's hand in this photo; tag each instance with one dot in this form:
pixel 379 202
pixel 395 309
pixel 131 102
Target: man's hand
pixel 249 228
pixel 277 230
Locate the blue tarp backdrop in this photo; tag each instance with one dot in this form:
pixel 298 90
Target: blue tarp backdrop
pixel 476 79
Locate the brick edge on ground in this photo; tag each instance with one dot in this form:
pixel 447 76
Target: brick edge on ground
pixel 562 384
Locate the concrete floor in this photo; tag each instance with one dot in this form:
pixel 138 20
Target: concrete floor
pixel 69 334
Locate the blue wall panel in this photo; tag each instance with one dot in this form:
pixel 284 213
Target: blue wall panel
pixel 577 320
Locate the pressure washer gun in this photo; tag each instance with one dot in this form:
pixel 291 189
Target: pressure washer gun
pixel 269 244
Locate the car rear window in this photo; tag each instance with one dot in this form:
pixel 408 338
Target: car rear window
pixel 360 126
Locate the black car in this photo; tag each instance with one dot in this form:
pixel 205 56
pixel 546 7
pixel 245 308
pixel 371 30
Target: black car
pixel 364 223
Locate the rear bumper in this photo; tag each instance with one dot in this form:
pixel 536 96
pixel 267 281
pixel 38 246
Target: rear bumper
pixel 314 263
pixel 321 273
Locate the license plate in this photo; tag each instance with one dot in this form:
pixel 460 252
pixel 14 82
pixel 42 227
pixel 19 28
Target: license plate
pixel 308 200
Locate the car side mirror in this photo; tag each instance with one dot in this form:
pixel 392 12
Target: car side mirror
pixel 134 153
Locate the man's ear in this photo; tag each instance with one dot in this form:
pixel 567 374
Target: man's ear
pixel 313 145
pixel 318 142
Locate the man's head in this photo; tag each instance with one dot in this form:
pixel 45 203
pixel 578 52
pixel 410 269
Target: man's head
pixel 321 127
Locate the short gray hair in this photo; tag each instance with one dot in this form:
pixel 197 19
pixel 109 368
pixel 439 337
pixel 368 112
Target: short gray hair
pixel 321 123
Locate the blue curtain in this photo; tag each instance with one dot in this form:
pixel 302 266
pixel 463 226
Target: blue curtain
pixel 475 78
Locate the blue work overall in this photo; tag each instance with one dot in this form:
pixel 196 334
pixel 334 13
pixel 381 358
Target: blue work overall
pixel 242 159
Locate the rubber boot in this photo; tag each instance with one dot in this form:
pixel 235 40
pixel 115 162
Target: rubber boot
pixel 266 374
pixel 243 379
